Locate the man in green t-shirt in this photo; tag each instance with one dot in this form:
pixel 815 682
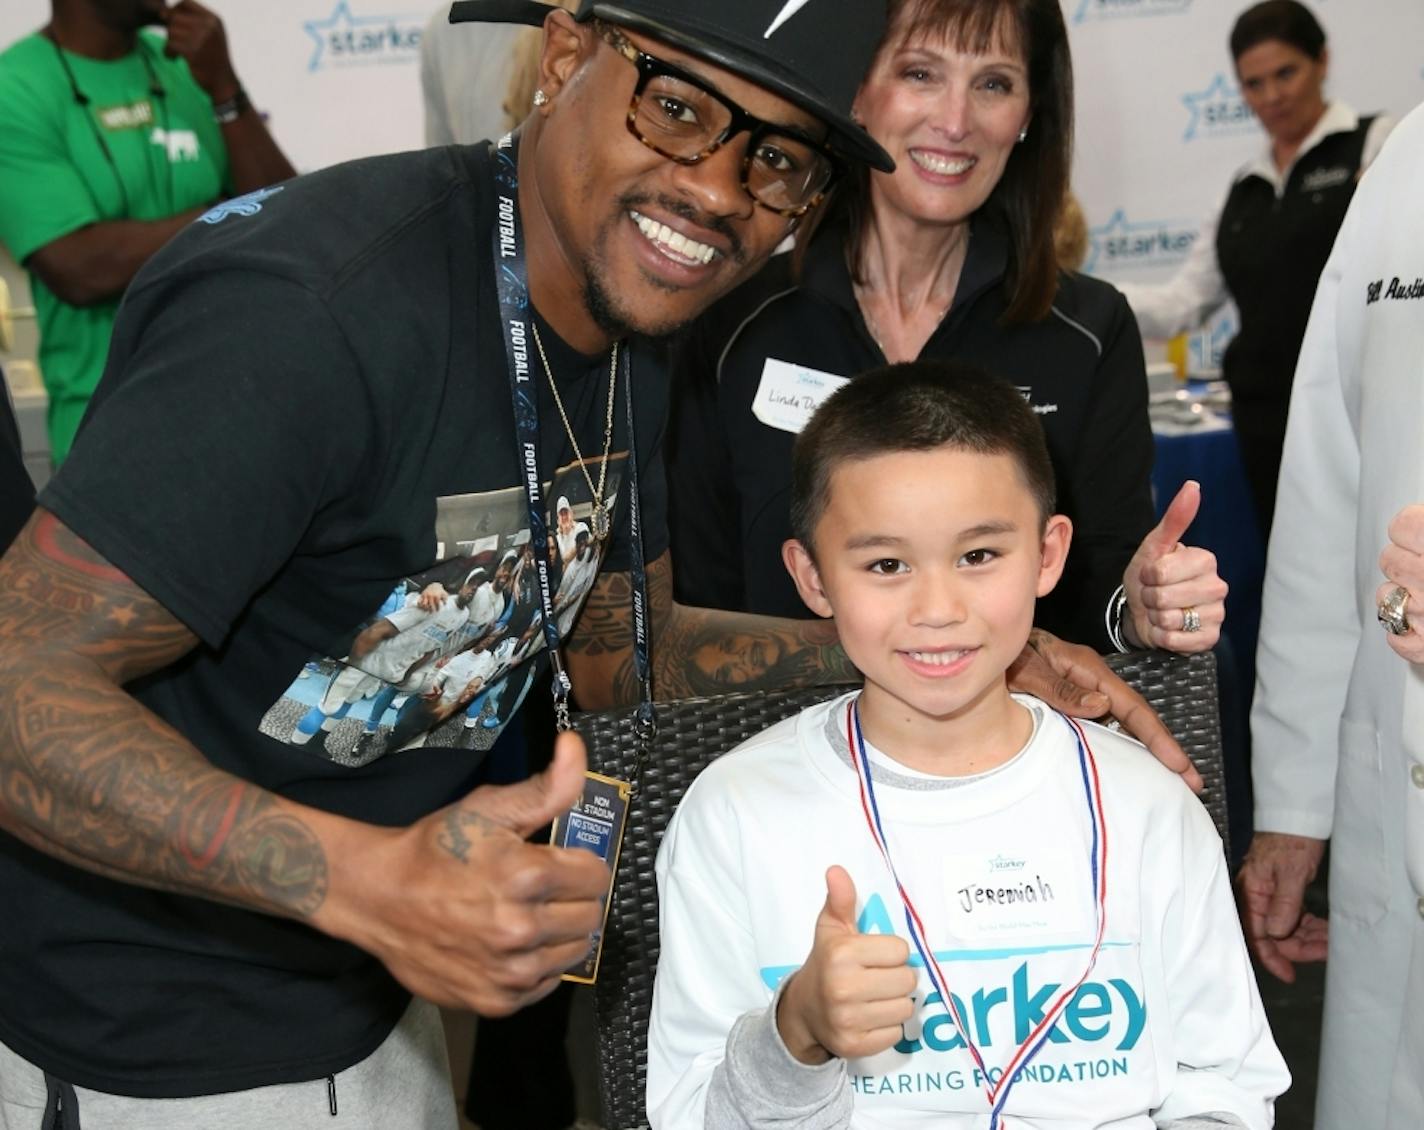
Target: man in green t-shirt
pixel 114 138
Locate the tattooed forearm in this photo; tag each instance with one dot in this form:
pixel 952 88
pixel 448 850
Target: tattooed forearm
pixel 600 650
pixel 702 651
pixel 696 651
pixel 91 777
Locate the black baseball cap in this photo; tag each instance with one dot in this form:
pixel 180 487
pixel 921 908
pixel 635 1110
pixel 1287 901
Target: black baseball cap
pixel 813 53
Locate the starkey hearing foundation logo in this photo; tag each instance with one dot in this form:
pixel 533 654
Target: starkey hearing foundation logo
pixel 1217 111
pixel 1127 9
pixel 362 38
pixel 1124 244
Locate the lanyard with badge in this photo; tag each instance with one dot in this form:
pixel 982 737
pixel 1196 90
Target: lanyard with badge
pixel 596 822
pixel 995 1091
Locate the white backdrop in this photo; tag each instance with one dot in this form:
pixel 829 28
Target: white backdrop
pixel 1161 126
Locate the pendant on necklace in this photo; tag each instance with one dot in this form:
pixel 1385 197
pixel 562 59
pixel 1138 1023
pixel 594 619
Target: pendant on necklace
pixel 599 524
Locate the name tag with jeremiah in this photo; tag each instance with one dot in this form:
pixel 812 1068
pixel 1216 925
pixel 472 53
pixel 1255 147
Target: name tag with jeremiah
pixel 1006 895
pixel 595 824
pixel 789 394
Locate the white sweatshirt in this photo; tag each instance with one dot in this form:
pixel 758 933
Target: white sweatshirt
pixel 1168 1021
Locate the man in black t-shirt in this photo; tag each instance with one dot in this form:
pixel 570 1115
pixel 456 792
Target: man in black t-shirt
pixel 200 910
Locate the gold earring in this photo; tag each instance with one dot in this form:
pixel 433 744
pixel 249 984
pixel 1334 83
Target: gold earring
pixel 542 99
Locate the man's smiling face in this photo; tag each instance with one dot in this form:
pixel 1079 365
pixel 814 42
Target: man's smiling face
pixel 650 242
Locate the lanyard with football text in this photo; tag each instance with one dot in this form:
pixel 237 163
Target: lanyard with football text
pixel 597 820
pixel 997 1092
pixel 512 285
pixel 645 728
pixel 511 282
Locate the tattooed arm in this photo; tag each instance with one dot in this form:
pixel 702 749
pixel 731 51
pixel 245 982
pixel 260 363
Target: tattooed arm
pixel 699 651
pixel 90 776
pixel 696 651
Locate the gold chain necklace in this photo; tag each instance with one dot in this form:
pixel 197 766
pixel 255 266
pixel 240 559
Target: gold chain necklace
pixel 599 522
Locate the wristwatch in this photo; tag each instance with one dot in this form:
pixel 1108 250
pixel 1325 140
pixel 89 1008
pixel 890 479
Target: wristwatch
pixel 228 112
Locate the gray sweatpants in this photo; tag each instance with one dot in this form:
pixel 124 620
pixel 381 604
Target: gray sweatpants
pixel 403 1085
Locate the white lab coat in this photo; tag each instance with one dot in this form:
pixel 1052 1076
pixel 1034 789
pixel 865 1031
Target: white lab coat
pixel 1338 721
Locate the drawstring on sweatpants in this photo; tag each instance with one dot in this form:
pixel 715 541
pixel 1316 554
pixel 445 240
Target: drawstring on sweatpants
pixel 61 1105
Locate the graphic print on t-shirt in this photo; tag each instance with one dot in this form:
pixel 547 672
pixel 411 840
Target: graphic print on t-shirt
pixel 433 664
pixel 1099 1055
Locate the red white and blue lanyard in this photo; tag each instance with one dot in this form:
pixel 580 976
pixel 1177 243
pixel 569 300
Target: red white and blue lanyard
pixel 996 1093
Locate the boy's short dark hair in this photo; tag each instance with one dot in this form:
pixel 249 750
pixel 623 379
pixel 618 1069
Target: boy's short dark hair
pixel 917 406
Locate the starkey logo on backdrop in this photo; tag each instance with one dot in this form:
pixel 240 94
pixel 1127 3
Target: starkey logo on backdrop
pixel 1127 9
pixel 1217 110
pixel 363 38
pixel 1125 244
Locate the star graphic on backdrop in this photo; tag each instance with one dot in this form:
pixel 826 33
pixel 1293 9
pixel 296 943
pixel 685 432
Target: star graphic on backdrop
pixel 1166 240
pixel 340 19
pixel 1221 90
pixel 1117 225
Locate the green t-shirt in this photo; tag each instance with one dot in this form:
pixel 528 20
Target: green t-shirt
pixel 167 156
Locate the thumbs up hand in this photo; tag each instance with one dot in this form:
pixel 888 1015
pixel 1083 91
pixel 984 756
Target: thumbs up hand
pixel 853 994
pixel 461 909
pixel 1175 600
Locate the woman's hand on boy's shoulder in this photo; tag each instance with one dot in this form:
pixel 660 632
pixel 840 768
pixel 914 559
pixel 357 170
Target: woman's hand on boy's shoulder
pixel 1075 680
pixel 853 994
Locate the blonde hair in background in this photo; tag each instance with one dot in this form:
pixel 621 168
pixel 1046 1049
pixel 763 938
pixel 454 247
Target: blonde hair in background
pixel 524 75
pixel 1070 235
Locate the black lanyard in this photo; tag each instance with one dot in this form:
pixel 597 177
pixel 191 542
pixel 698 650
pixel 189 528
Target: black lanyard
pixel 512 285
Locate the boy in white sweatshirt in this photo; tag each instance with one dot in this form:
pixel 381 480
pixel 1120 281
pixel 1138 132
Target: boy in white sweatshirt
pixel 932 903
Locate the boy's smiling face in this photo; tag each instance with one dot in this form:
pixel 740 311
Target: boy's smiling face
pixel 930 562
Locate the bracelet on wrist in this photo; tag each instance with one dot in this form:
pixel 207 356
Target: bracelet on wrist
pixel 228 112
pixel 1112 619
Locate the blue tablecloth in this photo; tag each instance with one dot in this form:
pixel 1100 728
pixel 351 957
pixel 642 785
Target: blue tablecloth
pixel 1226 525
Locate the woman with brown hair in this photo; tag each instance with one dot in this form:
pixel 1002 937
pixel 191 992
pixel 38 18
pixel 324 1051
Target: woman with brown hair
pixel 951 256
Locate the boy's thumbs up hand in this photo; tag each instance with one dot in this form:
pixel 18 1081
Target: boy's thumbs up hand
pixel 853 994
pixel 1175 600
pixel 838 915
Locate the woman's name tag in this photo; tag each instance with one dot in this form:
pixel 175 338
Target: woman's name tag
pixel 789 394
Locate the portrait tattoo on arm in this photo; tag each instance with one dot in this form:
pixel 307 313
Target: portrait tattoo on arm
pixel 702 651
pixel 90 776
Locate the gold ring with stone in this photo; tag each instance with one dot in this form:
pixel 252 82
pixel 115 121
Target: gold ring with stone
pixel 1191 621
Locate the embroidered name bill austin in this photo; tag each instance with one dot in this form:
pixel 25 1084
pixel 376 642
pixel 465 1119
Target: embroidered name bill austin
pixel 1396 289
